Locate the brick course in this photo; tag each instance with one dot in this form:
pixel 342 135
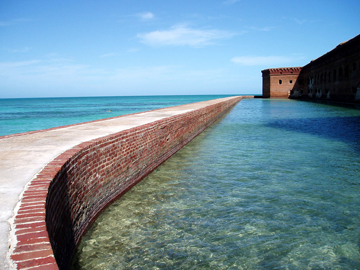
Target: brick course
pixel 65 198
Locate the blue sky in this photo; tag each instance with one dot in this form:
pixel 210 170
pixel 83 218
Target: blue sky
pixel 134 47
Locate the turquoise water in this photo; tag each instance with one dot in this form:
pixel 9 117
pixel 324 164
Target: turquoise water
pixel 274 185
pixel 22 115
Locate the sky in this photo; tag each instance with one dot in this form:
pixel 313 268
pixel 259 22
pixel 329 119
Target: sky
pixel 161 47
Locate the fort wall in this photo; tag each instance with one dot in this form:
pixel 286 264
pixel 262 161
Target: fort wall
pixel 333 76
pixel 64 199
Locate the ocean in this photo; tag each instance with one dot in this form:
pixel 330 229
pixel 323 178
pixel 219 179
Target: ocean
pixel 274 184
pixel 29 114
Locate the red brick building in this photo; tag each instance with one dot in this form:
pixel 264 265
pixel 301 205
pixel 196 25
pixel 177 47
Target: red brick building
pixel 333 76
pixel 278 82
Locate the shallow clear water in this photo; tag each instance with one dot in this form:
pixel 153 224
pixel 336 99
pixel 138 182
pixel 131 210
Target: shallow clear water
pixel 274 185
pixel 28 114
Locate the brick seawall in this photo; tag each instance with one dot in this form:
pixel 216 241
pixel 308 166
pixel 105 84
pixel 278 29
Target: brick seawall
pixel 62 201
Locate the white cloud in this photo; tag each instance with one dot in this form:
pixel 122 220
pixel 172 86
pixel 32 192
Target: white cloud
pixel 145 16
pixel 108 55
pixel 300 21
pixel 262 60
pixel 181 35
pixel 230 2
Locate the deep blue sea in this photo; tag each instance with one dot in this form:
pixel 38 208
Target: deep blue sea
pixel 274 185
pixel 28 114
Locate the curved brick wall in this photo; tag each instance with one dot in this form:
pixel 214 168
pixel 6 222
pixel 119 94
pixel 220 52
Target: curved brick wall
pixel 75 187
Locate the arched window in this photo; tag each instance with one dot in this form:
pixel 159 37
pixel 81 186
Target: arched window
pixel 280 81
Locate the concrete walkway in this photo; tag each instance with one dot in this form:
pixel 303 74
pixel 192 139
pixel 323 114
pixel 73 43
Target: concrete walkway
pixel 23 156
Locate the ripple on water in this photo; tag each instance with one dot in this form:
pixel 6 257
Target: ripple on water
pixel 264 188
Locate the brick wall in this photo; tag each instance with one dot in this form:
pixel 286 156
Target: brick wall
pixel 65 198
pixel 335 75
pixel 279 82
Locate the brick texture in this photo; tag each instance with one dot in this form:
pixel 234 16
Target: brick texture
pixel 279 82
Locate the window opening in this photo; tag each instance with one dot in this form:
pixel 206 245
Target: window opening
pixel 346 71
pixel 340 71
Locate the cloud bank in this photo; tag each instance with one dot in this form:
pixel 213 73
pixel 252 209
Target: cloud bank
pixel 181 35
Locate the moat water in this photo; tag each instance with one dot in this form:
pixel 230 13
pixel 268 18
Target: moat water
pixel 274 185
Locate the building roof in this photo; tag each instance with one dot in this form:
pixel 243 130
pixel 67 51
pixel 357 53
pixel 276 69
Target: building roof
pixel 282 71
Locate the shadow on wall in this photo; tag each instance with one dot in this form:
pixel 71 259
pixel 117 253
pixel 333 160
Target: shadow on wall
pixel 60 196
